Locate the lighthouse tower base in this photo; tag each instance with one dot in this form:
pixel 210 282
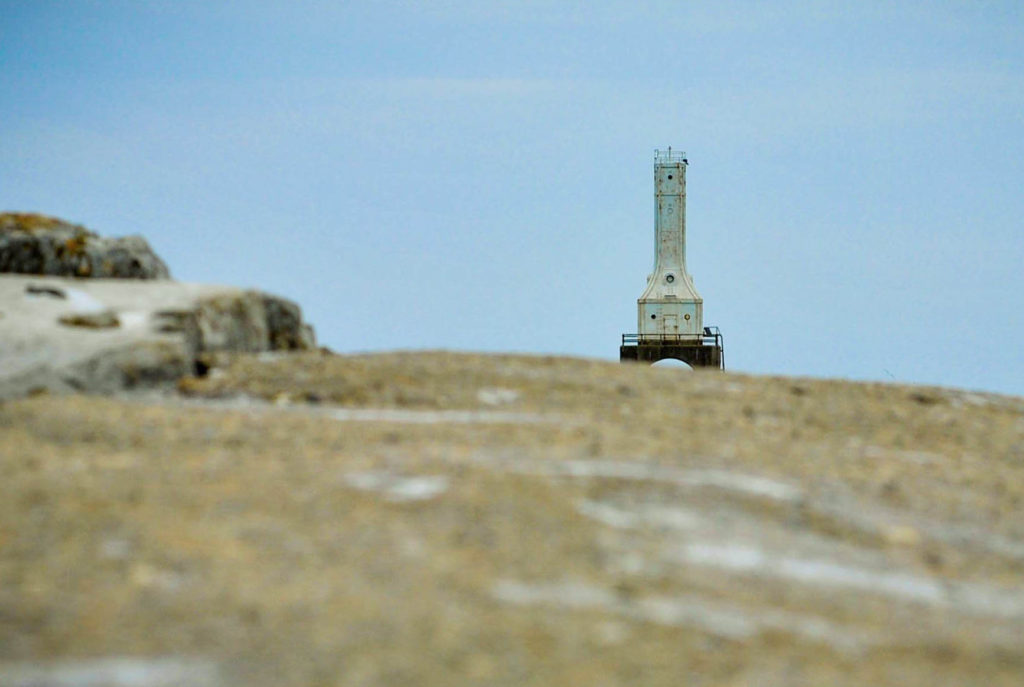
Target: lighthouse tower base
pixel 701 351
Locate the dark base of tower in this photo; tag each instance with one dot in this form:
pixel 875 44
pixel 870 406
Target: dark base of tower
pixel 706 351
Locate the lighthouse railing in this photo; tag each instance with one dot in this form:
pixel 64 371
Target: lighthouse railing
pixel 665 156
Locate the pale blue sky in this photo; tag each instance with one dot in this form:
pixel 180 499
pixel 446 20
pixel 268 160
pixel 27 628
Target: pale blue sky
pixel 477 175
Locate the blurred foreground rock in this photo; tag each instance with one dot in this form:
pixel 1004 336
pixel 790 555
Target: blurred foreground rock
pixel 443 519
pixel 37 244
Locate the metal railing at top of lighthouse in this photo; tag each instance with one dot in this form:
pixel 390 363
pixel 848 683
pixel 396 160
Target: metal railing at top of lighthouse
pixel 665 156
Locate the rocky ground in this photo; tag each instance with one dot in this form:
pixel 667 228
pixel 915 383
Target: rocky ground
pixel 447 519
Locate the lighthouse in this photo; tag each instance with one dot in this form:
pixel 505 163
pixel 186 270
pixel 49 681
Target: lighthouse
pixel 670 312
pixel 670 305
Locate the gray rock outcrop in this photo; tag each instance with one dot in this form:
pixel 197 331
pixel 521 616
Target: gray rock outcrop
pixel 37 244
pixel 78 325
pixel 102 335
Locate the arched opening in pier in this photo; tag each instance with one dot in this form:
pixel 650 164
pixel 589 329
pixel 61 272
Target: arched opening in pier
pixel 672 364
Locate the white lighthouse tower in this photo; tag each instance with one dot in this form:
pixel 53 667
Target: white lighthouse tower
pixel 670 306
pixel 670 312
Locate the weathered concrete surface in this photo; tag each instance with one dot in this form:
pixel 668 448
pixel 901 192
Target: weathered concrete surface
pixel 104 335
pixel 697 354
pixel 442 519
pixel 38 244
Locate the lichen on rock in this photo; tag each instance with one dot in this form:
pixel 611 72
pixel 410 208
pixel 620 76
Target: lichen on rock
pixel 103 319
pixel 39 244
